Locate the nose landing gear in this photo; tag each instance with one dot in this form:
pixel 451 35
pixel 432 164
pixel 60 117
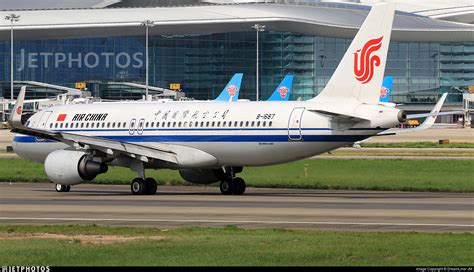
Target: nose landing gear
pixel 61 188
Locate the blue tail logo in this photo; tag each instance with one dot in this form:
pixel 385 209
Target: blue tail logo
pixel 386 89
pixel 231 91
pixel 283 91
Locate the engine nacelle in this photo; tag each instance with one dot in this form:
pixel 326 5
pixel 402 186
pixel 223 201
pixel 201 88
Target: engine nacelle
pixel 381 116
pixel 200 176
pixel 208 176
pixel 70 167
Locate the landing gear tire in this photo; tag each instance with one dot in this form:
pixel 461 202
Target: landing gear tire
pixel 151 186
pixel 138 186
pixel 227 187
pixel 62 188
pixel 239 186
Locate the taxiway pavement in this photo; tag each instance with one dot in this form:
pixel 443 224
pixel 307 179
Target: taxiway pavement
pixel 178 206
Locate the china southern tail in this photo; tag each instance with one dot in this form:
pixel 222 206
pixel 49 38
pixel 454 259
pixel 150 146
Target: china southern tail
pixel 386 89
pixel 283 91
pixel 231 91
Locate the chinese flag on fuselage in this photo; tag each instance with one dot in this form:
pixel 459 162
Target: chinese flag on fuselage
pixel 61 117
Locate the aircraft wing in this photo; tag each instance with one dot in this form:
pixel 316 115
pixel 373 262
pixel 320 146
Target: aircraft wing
pixel 160 151
pixel 429 121
pixel 421 115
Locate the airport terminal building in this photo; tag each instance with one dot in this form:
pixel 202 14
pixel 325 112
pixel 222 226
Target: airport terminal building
pixel 201 44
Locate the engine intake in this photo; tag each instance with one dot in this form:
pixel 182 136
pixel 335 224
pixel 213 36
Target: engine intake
pixel 72 167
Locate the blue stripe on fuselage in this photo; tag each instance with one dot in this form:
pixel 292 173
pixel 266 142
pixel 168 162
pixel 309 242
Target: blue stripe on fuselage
pixel 211 138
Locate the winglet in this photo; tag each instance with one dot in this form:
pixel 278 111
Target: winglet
pixel 231 91
pixel 430 120
pixel 283 91
pixel 15 116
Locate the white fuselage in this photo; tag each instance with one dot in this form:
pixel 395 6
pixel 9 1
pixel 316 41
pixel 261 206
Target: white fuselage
pixel 211 134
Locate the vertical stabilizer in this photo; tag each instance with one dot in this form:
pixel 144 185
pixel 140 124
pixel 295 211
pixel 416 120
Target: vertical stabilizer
pixel 386 89
pixel 360 73
pixel 283 91
pixel 231 91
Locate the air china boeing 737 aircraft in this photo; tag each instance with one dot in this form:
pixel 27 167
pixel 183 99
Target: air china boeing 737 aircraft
pixel 212 141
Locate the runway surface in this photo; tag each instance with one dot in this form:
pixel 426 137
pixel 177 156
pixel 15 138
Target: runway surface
pixel 177 206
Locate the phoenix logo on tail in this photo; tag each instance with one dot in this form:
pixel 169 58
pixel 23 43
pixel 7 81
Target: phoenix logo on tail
pixel 231 90
pixel 283 91
pixel 365 62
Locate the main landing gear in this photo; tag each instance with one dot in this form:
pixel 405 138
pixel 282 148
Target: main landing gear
pixel 62 188
pixel 146 186
pixel 230 185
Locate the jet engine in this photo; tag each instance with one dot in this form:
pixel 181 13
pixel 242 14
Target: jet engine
pixel 208 176
pixel 70 167
pixel 200 176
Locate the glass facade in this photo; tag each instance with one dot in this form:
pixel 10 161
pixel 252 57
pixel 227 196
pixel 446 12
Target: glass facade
pixel 203 64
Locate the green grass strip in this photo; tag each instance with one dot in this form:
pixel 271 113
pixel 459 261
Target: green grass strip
pixel 408 175
pixel 419 145
pixel 232 246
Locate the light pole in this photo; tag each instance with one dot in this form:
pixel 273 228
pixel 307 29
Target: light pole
pixel 12 18
pixel 258 28
pixel 147 24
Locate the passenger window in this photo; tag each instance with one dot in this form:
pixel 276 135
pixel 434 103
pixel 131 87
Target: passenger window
pixel 218 124
pixel 82 125
pixel 66 125
pixel 51 125
pixel 247 123
pixel 174 124
pixel 212 124
pixel 152 124
pixel 253 124
pixel 87 125
pixel 185 124
pixel 103 125
pixel 169 124
pixel 118 125
pixel 241 123
pixel 225 123
pixel 124 124
pixel 108 125
pixel 77 125
pixel 146 124
pixel 258 123
pixel 264 123
pixel 270 123
pixel 92 125
pixel 113 124
pixel 179 124
pixel 61 125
